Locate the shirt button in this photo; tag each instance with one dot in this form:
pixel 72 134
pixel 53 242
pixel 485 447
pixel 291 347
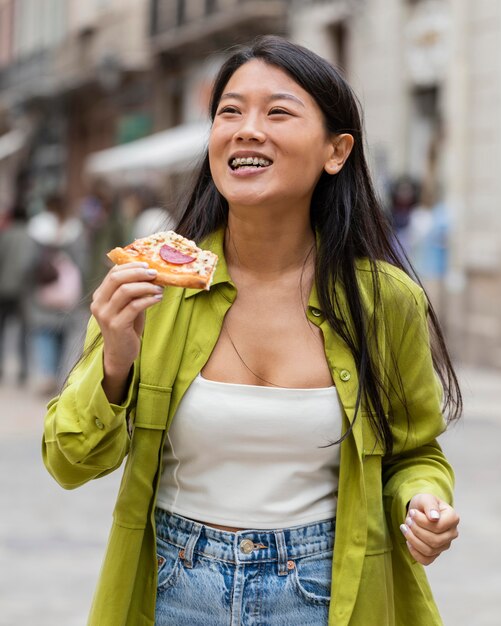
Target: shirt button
pixel 344 375
pixel 99 423
pixel 246 546
pixel 316 312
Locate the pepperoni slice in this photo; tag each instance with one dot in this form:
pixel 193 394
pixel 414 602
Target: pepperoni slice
pixel 171 255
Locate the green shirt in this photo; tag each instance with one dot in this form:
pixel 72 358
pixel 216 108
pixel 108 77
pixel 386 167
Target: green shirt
pixel 375 580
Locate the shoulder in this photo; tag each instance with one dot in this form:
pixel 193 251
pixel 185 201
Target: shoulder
pixel 394 285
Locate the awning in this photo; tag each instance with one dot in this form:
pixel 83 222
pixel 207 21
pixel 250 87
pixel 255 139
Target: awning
pixel 170 151
pixel 11 142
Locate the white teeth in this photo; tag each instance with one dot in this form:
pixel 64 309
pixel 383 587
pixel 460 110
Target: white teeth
pixel 242 161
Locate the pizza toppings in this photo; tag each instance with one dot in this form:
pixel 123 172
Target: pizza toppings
pixel 171 255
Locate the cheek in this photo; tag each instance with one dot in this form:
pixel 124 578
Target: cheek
pixel 216 160
pixel 304 170
pixel 217 166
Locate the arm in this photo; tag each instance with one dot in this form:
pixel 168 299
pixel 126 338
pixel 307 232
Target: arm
pixel 418 475
pixel 85 427
pixel 85 436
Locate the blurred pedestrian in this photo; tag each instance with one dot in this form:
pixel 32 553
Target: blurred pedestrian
pixel 429 228
pixel 16 266
pixel 299 394
pixel 104 229
pixel 404 197
pixel 428 241
pixel 58 271
pixel 151 217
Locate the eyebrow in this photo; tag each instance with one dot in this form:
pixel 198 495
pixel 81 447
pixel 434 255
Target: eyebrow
pixel 275 96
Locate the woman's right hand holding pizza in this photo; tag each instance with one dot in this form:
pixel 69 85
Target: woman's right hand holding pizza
pixel 119 306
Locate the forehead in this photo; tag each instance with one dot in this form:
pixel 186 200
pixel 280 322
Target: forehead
pixel 258 77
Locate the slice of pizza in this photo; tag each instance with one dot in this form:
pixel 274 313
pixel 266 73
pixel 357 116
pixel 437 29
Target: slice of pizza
pixel 178 261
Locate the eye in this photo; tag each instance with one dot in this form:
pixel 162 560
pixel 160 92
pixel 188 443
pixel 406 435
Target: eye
pixel 278 111
pixel 228 109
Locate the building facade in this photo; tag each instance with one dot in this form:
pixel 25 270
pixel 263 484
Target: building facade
pixel 429 80
pixel 75 77
pixel 427 74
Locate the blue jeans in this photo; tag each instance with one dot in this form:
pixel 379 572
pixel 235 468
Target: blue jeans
pixel 211 577
pixel 48 345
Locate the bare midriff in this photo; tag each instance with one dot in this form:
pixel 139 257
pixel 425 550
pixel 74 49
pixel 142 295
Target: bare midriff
pixel 230 529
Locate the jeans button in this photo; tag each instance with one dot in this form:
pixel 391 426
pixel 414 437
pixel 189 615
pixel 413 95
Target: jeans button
pixel 246 546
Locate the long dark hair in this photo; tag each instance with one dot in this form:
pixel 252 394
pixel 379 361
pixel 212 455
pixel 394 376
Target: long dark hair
pixel 347 216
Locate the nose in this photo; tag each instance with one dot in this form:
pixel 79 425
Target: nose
pixel 250 130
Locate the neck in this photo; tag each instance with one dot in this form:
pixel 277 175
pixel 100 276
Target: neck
pixel 268 247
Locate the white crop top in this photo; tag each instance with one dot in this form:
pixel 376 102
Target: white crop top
pixel 252 457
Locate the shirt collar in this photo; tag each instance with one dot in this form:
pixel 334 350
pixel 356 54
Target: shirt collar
pixel 215 243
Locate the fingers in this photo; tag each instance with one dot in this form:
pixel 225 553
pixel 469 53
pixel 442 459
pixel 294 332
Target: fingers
pixel 429 504
pixel 127 295
pixel 427 538
pixel 123 285
pixel 419 556
pixel 127 304
pixel 118 306
pixel 123 274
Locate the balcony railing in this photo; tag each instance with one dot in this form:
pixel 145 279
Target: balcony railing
pixel 184 28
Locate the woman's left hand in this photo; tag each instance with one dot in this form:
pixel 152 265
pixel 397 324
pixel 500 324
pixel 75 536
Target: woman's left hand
pixel 430 527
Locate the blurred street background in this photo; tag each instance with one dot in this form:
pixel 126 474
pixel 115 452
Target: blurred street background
pixel 103 118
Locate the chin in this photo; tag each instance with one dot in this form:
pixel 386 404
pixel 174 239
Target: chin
pixel 248 200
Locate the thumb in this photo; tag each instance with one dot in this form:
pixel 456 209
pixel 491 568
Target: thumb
pixel 428 504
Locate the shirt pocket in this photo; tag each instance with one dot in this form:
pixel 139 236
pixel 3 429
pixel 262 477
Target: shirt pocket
pixel 138 482
pixel 152 407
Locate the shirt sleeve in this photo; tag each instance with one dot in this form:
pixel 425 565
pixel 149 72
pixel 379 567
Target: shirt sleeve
pixel 85 436
pixel 418 464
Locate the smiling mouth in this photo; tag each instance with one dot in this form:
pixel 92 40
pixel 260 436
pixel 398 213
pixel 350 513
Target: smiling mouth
pixel 257 162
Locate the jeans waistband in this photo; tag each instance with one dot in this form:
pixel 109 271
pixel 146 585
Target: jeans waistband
pixel 245 546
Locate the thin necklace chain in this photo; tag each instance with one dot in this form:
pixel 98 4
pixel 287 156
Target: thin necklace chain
pixel 264 380
pixel 245 364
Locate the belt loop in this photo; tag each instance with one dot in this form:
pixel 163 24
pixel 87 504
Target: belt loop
pixel 281 553
pixel 191 543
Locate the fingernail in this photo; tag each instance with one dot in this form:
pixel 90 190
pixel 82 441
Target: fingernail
pixel 151 272
pixel 404 529
pixel 412 512
pixel 158 296
pixel 434 514
pixel 409 522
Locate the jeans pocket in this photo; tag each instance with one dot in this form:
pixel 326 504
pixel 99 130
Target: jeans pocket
pixel 169 564
pixel 312 578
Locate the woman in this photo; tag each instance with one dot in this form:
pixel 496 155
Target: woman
pixel 58 266
pixel 16 259
pixel 299 394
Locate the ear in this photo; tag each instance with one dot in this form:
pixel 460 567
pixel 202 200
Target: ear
pixel 341 148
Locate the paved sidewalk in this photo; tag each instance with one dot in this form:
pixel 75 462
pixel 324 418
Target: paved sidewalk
pixel 52 541
pixel 467 580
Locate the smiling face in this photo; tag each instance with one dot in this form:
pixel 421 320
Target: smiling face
pixel 268 144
